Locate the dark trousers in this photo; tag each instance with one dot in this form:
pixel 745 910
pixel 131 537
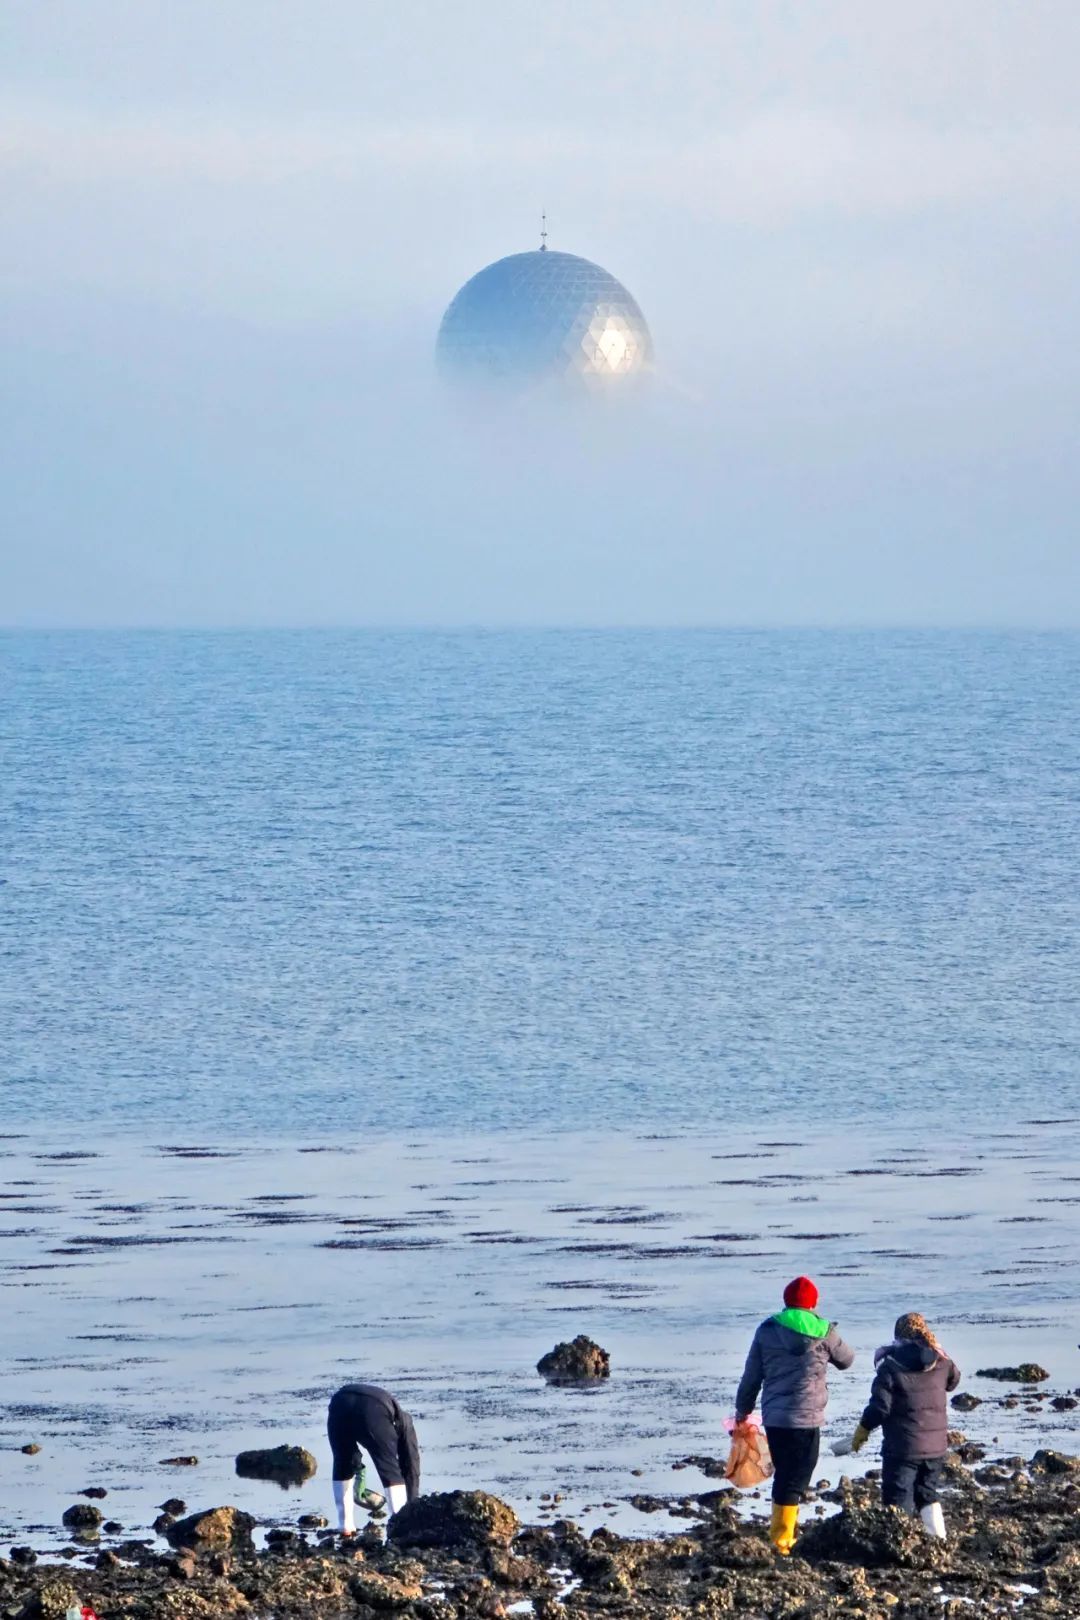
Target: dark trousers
pixel 794 1454
pixel 356 1420
pixel 909 1484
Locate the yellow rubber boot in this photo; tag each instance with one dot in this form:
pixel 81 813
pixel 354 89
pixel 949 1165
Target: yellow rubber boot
pixel 783 1527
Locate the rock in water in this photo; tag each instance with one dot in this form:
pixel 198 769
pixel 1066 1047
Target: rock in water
pixel 575 1361
pixel 711 1467
pixel 454 1519
pixel 872 1538
pixel 1055 1462
pixel 289 1465
pixel 1028 1372
pixel 83 1516
pixel 221 1527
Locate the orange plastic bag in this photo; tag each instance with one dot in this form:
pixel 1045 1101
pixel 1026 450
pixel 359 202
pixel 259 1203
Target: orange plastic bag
pixel 748 1461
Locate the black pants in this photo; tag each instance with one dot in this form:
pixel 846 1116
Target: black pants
pixel 910 1484
pixel 794 1455
pixel 356 1420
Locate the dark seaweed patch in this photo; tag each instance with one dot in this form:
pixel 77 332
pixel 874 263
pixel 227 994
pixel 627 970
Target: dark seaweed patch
pixel 381 1243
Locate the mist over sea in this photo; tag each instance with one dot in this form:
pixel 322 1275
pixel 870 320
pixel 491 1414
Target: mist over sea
pixel 643 879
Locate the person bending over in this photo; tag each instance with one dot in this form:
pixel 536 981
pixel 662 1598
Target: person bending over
pixel 365 1417
pixel 908 1403
pixel 788 1361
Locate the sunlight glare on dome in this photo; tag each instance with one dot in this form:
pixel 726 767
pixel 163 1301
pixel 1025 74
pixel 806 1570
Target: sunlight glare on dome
pixel 543 317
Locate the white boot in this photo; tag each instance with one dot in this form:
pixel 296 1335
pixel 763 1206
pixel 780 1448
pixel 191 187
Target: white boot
pixel 398 1496
pixel 934 1520
pixel 343 1501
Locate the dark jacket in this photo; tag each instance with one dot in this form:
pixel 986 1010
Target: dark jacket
pixel 907 1401
pixel 367 1415
pixel 787 1365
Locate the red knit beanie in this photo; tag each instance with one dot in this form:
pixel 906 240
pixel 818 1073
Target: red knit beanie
pixel 801 1294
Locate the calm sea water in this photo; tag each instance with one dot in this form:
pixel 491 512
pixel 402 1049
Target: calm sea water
pixel 394 1005
pixel 289 882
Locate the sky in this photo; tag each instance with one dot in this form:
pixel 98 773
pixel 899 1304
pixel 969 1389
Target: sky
pixel 228 233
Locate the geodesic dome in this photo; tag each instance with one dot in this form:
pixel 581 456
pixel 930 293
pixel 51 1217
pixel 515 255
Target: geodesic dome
pixel 544 315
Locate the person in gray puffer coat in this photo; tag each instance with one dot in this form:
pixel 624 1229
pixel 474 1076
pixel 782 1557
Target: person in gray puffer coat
pixel 789 1358
pixel 908 1403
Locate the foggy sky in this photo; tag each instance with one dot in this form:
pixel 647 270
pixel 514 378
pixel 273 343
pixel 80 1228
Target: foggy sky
pixel 228 232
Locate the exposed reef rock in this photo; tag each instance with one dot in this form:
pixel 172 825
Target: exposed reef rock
pixel 453 1519
pixel 288 1465
pixel 1013 1547
pixel 219 1527
pixel 1027 1372
pixel 575 1362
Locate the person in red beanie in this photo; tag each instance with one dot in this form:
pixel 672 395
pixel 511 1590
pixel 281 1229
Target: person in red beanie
pixel 787 1365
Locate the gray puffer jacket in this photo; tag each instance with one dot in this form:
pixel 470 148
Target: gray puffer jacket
pixel 787 1366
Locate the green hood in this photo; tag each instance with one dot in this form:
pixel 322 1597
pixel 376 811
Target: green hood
pixel 807 1322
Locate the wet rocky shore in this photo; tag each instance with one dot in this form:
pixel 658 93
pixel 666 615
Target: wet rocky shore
pixel 170 1309
pixel 1014 1544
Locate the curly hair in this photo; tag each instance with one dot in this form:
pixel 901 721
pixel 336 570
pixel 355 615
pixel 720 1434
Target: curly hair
pixel 912 1325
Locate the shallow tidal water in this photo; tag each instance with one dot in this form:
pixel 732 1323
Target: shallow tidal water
pixel 392 1005
pixel 200 1298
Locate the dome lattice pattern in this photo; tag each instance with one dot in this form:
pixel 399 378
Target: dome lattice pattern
pixel 543 315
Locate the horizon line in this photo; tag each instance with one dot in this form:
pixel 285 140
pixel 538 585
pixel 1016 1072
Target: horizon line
pixel 552 626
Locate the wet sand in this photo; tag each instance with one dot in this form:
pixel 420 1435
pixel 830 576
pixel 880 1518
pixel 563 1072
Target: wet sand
pixel 191 1298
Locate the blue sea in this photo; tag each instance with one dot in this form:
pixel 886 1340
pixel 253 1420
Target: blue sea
pixel 489 880
pixel 396 1004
